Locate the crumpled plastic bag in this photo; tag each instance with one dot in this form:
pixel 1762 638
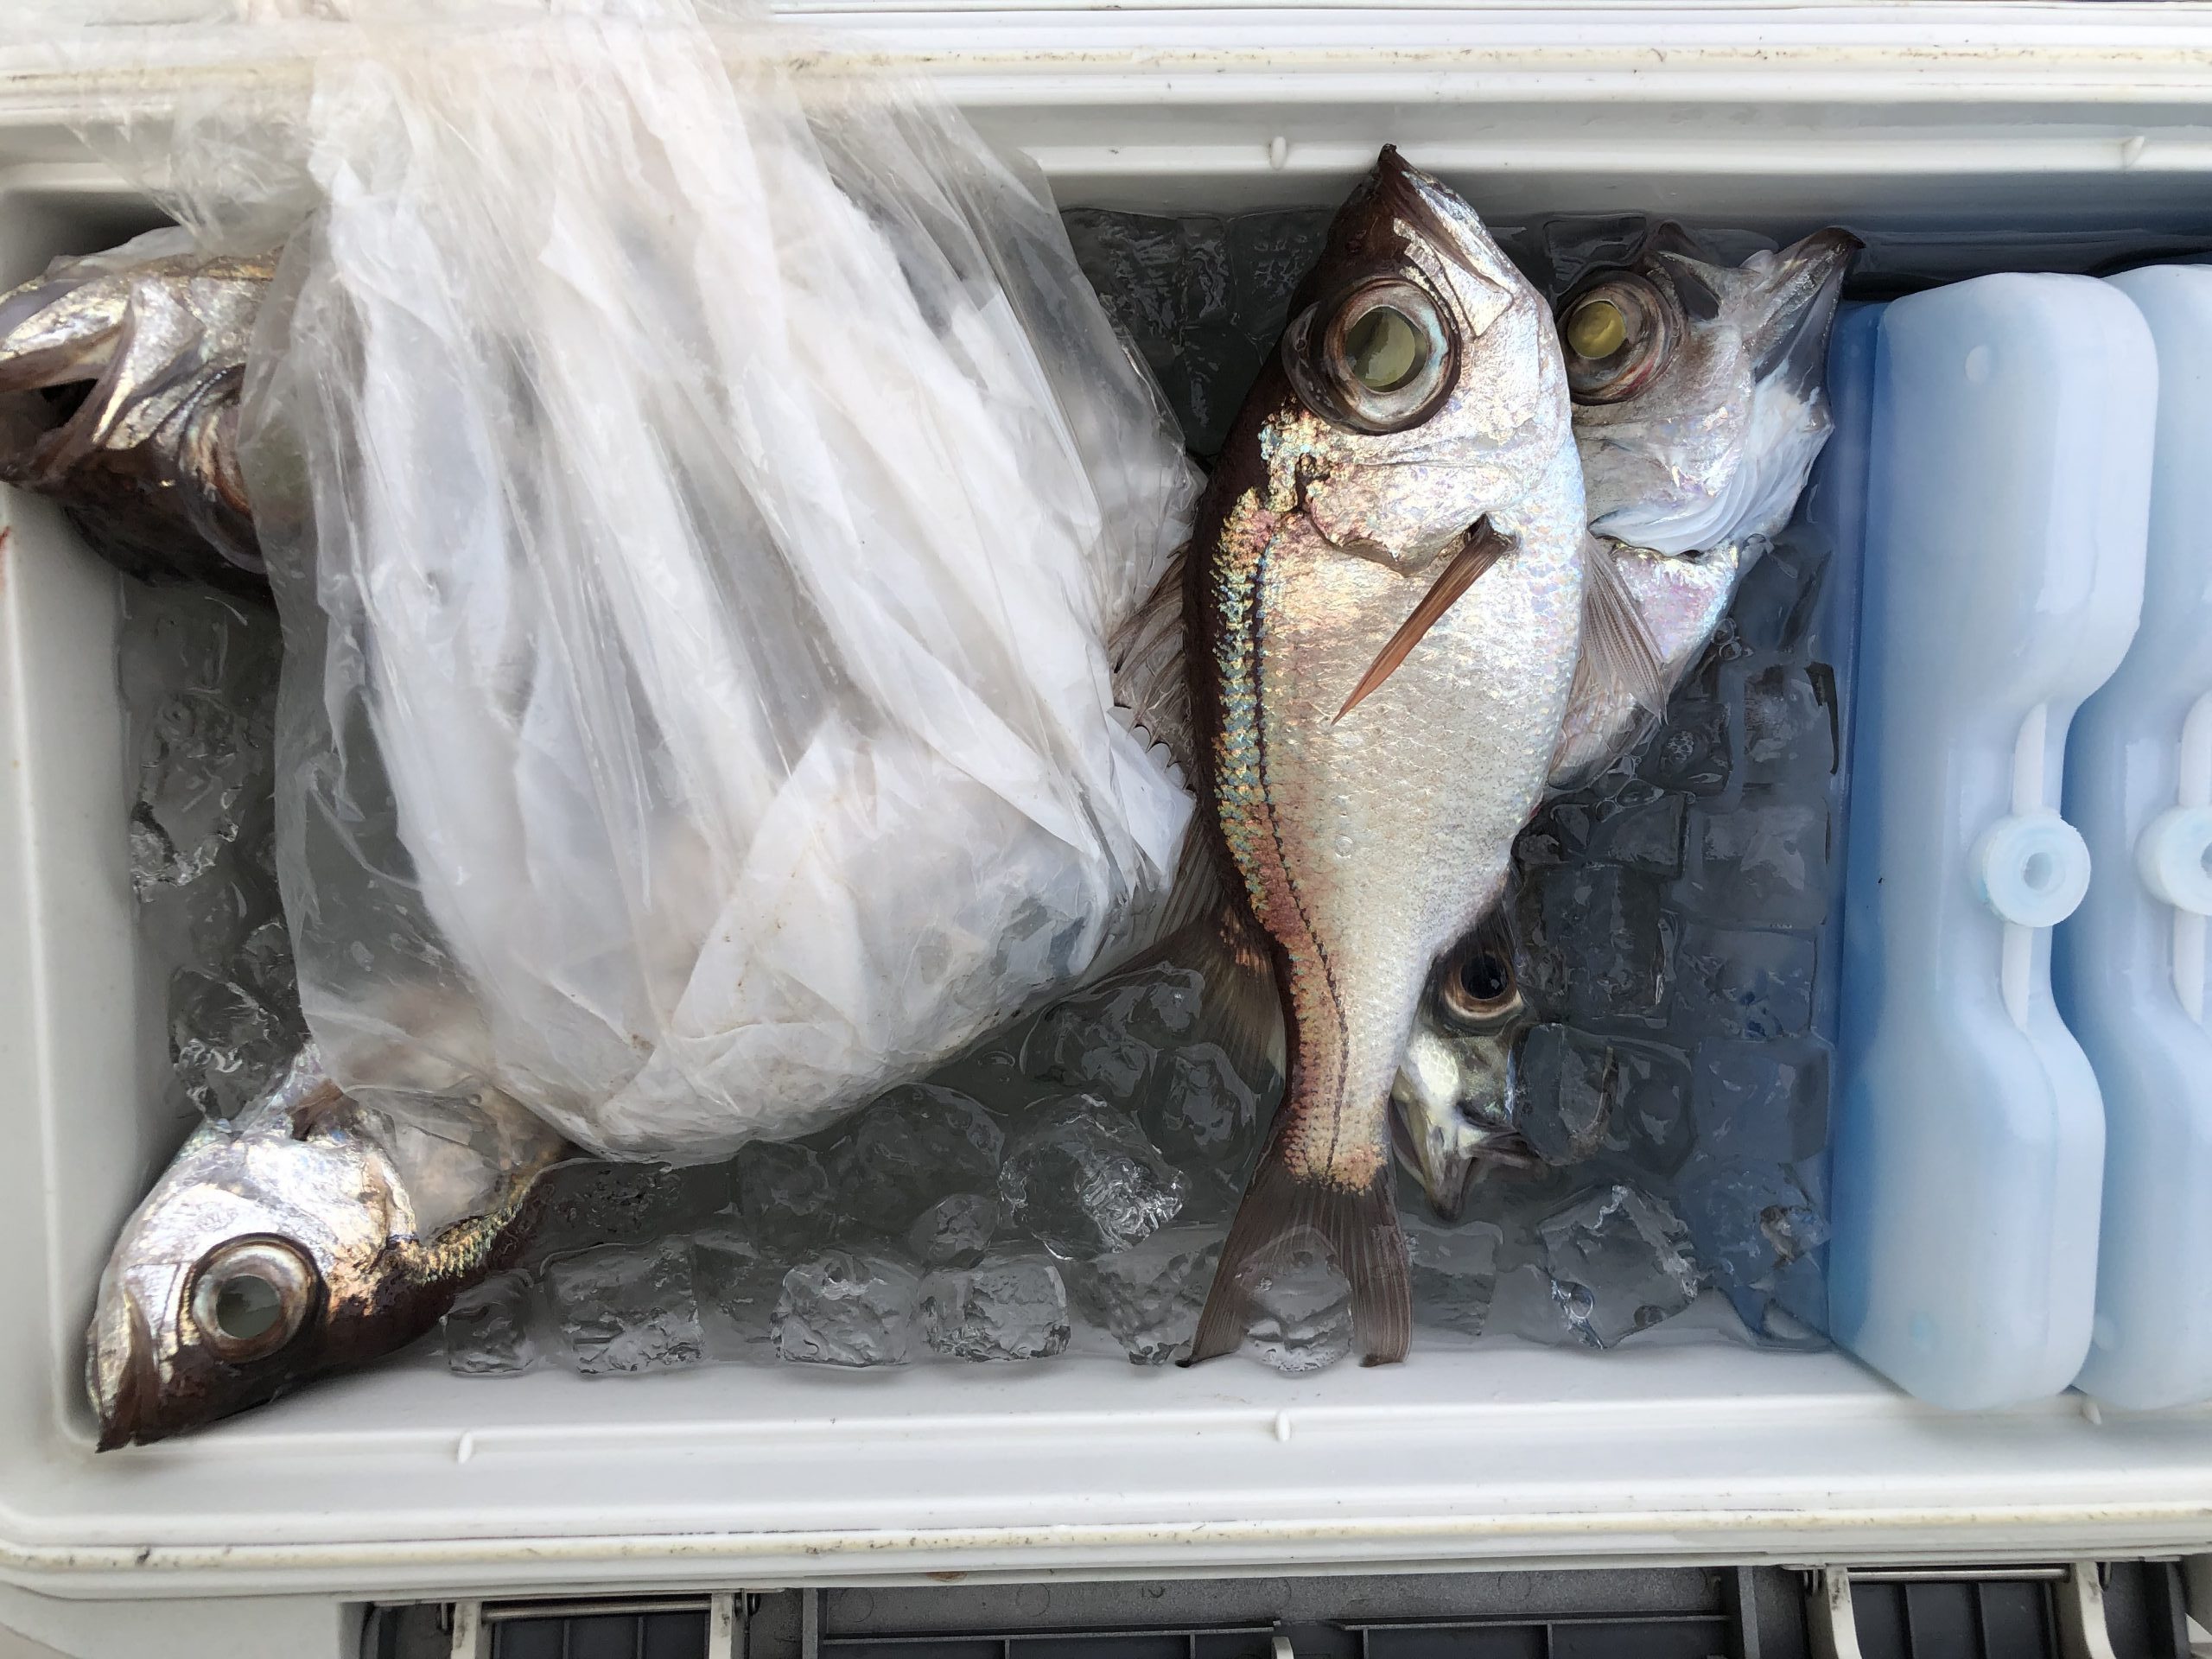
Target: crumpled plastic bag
pixel 698 504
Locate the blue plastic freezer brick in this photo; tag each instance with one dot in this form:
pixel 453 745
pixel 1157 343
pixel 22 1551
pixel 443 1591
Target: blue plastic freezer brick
pixel 2129 967
pixel 2008 471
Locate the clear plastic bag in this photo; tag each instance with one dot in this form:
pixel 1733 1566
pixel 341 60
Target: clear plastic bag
pixel 698 504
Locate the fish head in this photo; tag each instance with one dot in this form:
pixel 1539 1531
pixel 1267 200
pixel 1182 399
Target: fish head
pixel 123 372
pixel 262 1256
pixel 1419 385
pixel 1452 1103
pixel 1697 386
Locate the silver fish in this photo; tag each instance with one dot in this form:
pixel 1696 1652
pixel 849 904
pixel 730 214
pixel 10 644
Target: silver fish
pixel 140 352
pixel 287 1245
pixel 1699 408
pixel 1384 605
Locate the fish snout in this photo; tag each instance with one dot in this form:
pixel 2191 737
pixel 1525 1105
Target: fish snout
pixel 1801 285
pixel 122 1375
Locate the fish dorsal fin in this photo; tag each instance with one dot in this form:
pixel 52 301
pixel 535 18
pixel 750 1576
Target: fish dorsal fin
pixel 1150 679
pixel 1483 548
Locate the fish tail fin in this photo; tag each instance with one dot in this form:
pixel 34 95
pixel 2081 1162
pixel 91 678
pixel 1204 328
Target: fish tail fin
pixel 1283 1208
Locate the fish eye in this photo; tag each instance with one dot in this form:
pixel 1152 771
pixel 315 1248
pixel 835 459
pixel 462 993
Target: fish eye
pixel 1381 361
pixel 1618 334
pixel 1478 991
pixel 251 1296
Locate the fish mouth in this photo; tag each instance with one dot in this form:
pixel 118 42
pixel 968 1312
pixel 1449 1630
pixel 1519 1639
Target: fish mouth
pixel 1807 283
pixel 124 1381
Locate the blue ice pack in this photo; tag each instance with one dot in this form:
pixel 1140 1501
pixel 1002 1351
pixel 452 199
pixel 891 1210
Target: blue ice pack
pixel 2129 967
pixel 2008 428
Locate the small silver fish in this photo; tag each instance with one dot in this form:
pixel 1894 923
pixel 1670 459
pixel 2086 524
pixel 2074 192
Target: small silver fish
pixel 1699 407
pixel 141 353
pixel 285 1246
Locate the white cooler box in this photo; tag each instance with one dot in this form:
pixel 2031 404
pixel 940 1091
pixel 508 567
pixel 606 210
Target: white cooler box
pixel 1957 139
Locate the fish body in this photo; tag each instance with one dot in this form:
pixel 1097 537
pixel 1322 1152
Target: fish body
pixel 1383 597
pixel 141 351
pixel 285 1245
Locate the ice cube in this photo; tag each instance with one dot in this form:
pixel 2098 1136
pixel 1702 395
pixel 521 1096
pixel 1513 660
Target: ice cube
pixel 1651 1124
pixel 589 1202
pixel 1147 1298
pixel 1748 1222
pixel 1618 1264
pixel 1766 1103
pixel 954 1231
pixel 1165 284
pixel 626 1307
pixel 1199 1112
pixel 1004 1307
pixel 991 1076
pixel 1691 750
pixel 226 1046
pixel 1079 1042
pixel 1790 729
pixel 784 1196
pixel 1270 253
pixel 738 1280
pixel 911 1148
pixel 1104 1039
pixel 1761 863
pixel 1601 946
pixel 1206 381
pixel 486 1329
pixel 1564 1085
pixel 1640 827
pixel 264 961
pixel 1800 1290
pixel 847 1309
pixel 1082 1179
pixel 1730 983
pixel 1454 1273
pixel 1779 597
pixel 1301 1313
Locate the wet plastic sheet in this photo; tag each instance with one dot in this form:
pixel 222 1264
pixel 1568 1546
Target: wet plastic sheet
pixel 697 505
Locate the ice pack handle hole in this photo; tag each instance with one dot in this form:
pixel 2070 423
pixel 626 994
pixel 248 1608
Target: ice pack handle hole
pixel 2175 858
pixel 2034 868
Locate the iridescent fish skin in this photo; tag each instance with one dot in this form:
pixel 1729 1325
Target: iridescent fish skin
pixel 284 1246
pixel 150 340
pixel 1367 822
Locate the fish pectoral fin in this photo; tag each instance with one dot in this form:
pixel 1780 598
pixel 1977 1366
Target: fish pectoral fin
pixel 1483 548
pixel 1281 1210
pixel 1619 654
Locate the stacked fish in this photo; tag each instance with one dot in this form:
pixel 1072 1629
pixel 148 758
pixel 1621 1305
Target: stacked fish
pixel 1461 543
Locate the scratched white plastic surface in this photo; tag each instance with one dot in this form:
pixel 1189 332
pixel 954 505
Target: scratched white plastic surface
pixel 2008 481
pixel 2129 967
